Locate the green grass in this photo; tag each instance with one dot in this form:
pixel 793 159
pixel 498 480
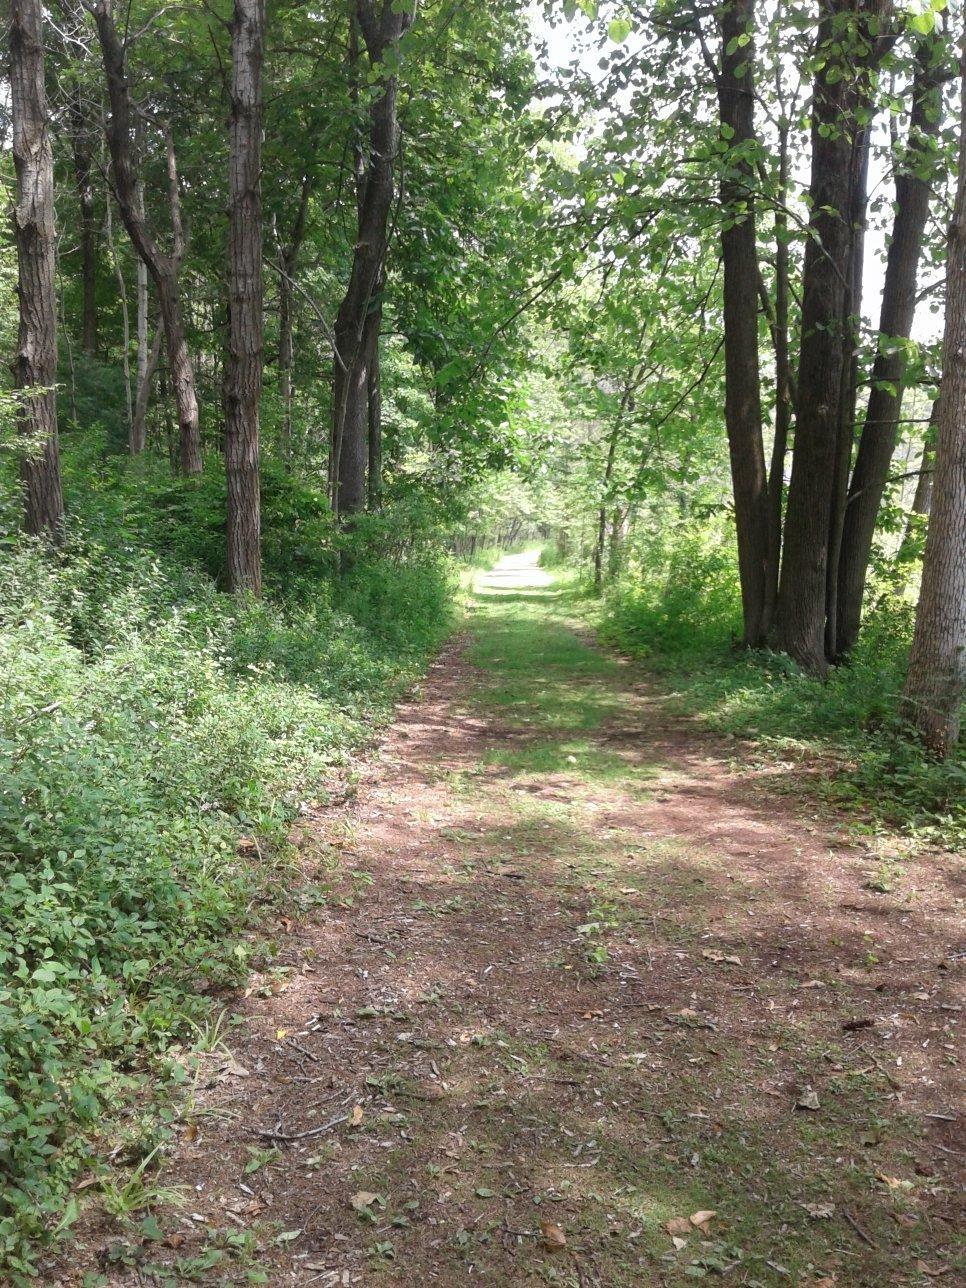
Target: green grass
pixel 678 610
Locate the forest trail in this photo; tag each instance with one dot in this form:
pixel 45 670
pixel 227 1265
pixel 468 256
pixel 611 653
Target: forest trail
pixel 578 975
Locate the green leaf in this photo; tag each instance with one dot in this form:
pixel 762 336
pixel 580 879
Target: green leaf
pixel 618 29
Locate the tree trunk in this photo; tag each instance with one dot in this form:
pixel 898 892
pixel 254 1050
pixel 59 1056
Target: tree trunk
pixel 880 428
pixel 842 86
pixel 82 147
pixel 373 328
pixel 933 693
pixel 243 369
pixel 144 366
pixel 163 269
pixel 740 256
pixel 783 384
pixel 35 363
pixel 286 354
pixel 125 326
pixel 851 327
pixel 350 418
pixel 287 265
pixel 922 498
pixel 139 420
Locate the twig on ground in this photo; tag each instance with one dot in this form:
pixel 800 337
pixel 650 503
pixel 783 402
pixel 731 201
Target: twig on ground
pixel 272 1133
pixel 858 1229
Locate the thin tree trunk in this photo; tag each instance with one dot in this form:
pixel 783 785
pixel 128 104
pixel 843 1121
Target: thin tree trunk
pixel 374 399
pixel 142 373
pixel 350 429
pixel 842 87
pixel 286 354
pixel 288 256
pixel 922 497
pixel 163 269
pixel 243 370
pixel 933 693
pixel 601 536
pixel 881 425
pixel 82 147
pixel 783 385
pixel 740 256
pixel 139 421
pixel 125 329
pixel 35 363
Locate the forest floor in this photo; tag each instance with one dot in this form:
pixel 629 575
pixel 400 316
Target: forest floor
pixel 595 999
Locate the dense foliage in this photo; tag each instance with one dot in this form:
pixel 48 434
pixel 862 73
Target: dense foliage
pixel 158 739
pixel 495 293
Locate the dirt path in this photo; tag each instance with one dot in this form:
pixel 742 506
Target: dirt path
pixel 579 975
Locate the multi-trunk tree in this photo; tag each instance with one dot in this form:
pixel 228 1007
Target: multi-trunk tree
pixel 852 37
pixel 916 167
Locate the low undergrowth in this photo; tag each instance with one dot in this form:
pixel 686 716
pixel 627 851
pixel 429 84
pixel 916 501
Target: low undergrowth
pixel 156 739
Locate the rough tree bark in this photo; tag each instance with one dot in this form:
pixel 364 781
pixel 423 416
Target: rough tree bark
pixel 381 26
pixel 880 427
pixel 163 268
pixel 740 255
pixel 35 363
pixel 933 693
pixel 243 368
pixel 842 87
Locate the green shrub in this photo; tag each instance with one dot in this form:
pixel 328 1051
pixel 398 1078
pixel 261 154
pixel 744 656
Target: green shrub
pixel 679 594
pixel 147 721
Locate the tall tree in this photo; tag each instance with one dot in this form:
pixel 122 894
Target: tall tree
pixel 847 52
pixel 936 680
pixel 35 364
pixel 163 268
pixel 243 369
pixel 382 24
pixel 740 255
pixel 915 169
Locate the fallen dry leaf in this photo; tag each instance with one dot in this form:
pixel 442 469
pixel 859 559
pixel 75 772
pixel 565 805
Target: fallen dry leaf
pixel 930 1272
pixel 701 1220
pixel 678 1225
pixel 819 1211
pixel 808 1100
pixel 551 1236
pixel 712 955
pixel 362 1199
pixel 356 1118
pixel 678 1242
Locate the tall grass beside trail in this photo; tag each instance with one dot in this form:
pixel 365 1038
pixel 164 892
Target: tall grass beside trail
pixel 148 723
pixel 677 604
